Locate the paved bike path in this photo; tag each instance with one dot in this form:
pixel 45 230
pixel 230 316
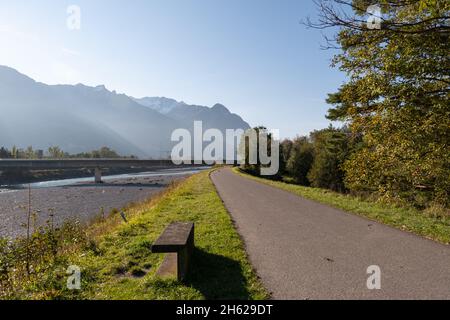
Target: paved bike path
pixel 302 249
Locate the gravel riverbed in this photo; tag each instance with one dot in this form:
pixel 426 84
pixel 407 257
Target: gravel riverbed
pixel 81 202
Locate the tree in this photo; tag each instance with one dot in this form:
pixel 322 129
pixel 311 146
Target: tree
pixel 300 160
pixel 56 153
pixel 4 153
pixel 29 153
pixel 256 133
pixel 14 152
pixel 105 153
pixel 285 154
pixel 396 97
pixel 331 149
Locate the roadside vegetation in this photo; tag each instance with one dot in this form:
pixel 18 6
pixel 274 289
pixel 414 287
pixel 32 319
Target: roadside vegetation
pixel 429 224
pixel 115 257
pixel 395 100
pixel 393 151
pixel 395 104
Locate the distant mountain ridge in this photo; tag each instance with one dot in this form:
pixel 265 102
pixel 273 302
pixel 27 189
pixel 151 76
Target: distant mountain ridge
pixel 161 104
pixel 81 118
pixel 216 117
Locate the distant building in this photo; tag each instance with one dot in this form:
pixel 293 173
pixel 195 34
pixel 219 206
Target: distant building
pixel 40 154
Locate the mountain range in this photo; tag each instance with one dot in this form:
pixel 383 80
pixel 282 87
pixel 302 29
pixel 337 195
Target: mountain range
pixel 80 118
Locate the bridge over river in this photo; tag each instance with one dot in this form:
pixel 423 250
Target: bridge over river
pixel 96 164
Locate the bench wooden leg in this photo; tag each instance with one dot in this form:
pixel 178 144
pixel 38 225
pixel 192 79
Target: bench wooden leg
pixel 184 258
pixel 183 262
pixel 175 264
pixel 168 267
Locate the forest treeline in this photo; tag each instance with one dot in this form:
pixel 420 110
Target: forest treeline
pixel 395 104
pixel 56 153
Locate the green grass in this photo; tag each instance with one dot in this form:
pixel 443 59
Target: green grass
pixel 121 265
pixel 408 219
pixel 125 269
pixel 116 260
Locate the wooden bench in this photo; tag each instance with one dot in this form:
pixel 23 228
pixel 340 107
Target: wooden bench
pixel 177 241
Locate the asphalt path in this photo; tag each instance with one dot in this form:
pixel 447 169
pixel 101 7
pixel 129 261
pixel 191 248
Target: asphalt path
pixel 302 249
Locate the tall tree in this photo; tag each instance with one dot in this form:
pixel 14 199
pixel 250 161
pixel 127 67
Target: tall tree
pixel 15 152
pixel 285 154
pixel 56 153
pixel 331 149
pixel 257 133
pixel 4 153
pixel 300 161
pixel 29 153
pixel 397 95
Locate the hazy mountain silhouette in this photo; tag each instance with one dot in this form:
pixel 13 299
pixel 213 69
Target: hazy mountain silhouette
pixel 81 118
pixel 218 116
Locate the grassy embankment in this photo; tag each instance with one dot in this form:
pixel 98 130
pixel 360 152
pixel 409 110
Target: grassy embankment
pixel 116 261
pixel 435 227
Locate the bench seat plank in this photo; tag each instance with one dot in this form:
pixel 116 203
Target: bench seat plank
pixel 174 238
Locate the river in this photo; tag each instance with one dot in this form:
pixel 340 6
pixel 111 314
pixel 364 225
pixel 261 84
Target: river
pixel 79 199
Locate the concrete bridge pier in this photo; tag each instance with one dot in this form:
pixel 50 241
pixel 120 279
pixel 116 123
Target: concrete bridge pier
pixel 98 175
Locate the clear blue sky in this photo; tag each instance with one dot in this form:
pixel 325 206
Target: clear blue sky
pixel 252 56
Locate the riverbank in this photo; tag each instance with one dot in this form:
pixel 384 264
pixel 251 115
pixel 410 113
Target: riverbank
pixel 116 261
pixel 14 177
pixel 82 202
